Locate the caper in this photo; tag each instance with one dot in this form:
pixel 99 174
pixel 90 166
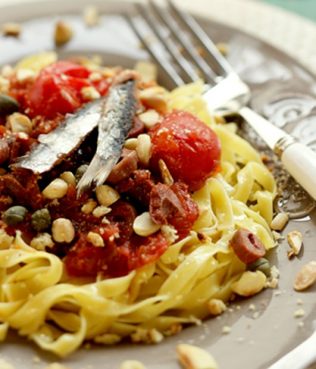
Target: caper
pixel 41 220
pixel 81 171
pixel 8 105
pixel 261 264
pixel 14 215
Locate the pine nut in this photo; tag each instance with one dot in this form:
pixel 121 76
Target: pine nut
pixel 95 239
pixel 91 16
pixel 143 148
pixel 155 98
pixel 90 93
pixel 306 277
pixel 132 364
pixel 295 241
pixel 216 306
pixel 100 211
pixel 279 221
pixel 89 206
pixel 193 357
pixel 23 75
pixel 165 173
pixel 56 189
pixel 11 29
pixel 249 283
pixel 95 77
pixel 131 143
pixel 144 226
pixel 69 178
pixel 63 33
pixel 147 70
pixel 149 118
pixel 20 123
pixel 106 195
pixel 63 230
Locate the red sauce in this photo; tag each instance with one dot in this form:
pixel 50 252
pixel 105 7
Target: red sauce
pixel 190 149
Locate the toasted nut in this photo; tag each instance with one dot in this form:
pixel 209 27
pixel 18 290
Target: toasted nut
pixel 42 241
pixel 7 71
pixel 69 178
pixel 216 306
pixel 100 211
pixel 106 195
pixel 56 366
pixel 89 206
pixel 90 93
pixel 95 239
pixel 20 123
pixel 91 16
pixel 295 241
pixel 23 75
pixel 147 70
pixel 193 357
pixel 143 148
pixel 95 77
pixel 155 336
pixel 299 313
pixel 250 283
pixel 155 98
pixel 144 226
pixel 4 85
pixel 63 230
pixel 132 364
pixel 165 174
pixel 63 33
pixel 108 338
pixel 306 277
pixel 131 143
pixel 279 221
pixel 56 189
pixel 11 29
pixel 149 118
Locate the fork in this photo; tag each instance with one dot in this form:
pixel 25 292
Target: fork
pixel 225 91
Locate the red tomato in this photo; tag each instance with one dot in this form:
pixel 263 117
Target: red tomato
pixel 57 90
pixel 189 147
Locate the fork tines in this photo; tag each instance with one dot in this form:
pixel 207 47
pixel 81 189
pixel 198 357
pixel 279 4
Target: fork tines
pixel 173 47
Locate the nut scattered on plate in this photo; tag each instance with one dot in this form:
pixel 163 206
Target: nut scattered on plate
pixel 279 221
pixel 193 357
pixel 91 16
pixel 11 29
pixel 295 241
pixel 132 364
pixel 63 33
pixel 306 277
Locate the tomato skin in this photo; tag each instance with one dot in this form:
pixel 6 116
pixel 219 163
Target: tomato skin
pixel 189 147
pixel 57 89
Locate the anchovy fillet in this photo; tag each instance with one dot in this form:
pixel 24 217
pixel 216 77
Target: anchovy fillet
pixel 59 143
pixel 114 124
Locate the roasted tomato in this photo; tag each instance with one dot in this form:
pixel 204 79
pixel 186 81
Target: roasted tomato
pixel 57 89
pixel 86 260
pixel 189 147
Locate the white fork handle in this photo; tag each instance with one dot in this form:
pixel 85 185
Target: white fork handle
pixel 299 358
pixel 300 162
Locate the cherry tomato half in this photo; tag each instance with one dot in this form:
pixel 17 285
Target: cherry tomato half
pixel 189 147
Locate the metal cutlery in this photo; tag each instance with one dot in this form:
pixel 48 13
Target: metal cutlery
pixel 225 91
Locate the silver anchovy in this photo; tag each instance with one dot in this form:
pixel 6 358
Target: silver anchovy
pixel 114 124
pixel 59 143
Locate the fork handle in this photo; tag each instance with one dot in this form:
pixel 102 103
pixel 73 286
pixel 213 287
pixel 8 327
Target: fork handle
pixel 300 162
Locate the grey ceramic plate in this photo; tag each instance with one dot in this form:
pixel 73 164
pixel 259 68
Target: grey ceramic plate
pixel 283 91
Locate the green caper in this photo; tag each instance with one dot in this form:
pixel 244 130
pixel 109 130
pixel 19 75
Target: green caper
pixel 14 215
pixel 41 220
pixel 8 105
pixel 261 264
pixel 81 171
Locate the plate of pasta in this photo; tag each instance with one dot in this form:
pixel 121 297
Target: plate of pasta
pixel 134 222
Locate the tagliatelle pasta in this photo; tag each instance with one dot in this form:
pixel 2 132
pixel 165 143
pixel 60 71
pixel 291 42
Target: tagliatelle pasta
pixel 42 302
